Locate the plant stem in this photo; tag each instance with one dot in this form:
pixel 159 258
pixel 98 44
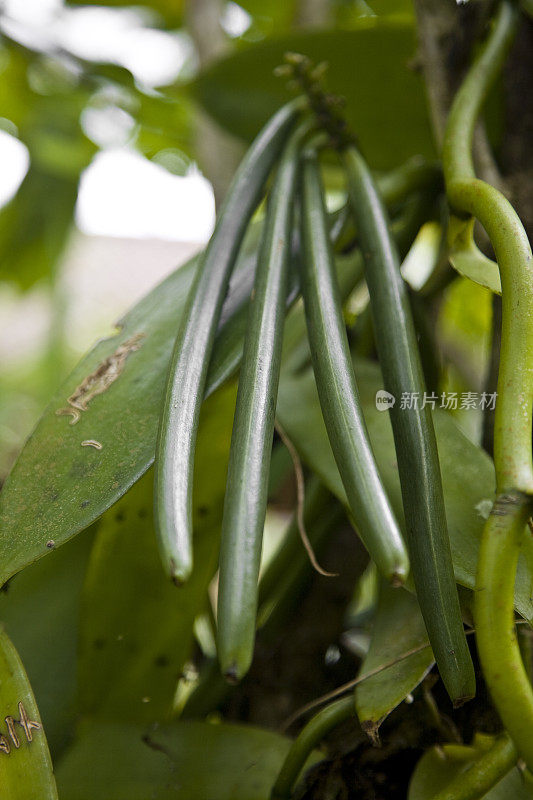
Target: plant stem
pixel 512 425
pixel 497 642
pixel 457 158
pixel 494 599
pixel 316 729
pixel 491 382
pixel 483 774
pixel 467 194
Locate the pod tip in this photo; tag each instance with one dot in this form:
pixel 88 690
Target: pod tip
pixel 232 674
pixel 400 575
pixel 398 579
pixel 178 576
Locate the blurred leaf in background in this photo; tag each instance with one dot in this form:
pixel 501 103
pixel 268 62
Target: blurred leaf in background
pixel 370 65
pixel 170 11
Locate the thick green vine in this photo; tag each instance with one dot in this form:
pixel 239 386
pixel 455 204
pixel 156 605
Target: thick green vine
pixel 467 194
pixel 483 774
pixel 312 734
pixel 494 615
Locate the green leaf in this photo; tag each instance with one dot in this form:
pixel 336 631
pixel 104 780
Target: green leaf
pixel 43 99
pixel 442 764
pixel 33 230
pixel 270 15
pixel 40 611
pixel 467 471
pixel 466 257
pixel 16 97
pixel 398 629
pixel 183 761
pixel 58 487
pixel 25 766
pixel 368 65
pixel 137 627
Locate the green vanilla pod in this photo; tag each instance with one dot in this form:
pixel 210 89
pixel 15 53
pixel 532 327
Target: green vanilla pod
pixel 349 268
pixel 414 435
pixel 281 588
pixel 228 346
pixel 414 176
pixel 309 737
pixel 337 390
pixel 194 343
pixel 253 426
pixel 26 771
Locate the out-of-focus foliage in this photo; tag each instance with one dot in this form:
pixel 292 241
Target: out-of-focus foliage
pixel 369 65
pixel 41 99
pixel 170 11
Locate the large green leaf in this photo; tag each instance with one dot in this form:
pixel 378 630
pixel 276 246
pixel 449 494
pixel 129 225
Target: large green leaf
pixel 369 65
pixel 40 611
pixel 467 471
pixel 58 487
pixel 442 764
pixel 137 627
pixel 183 761
pixel 398 629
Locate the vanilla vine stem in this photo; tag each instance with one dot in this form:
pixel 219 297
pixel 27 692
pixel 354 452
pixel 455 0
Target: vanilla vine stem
pixel 467 194
pixel 309 737
pixel 494 601
pixel 483 774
